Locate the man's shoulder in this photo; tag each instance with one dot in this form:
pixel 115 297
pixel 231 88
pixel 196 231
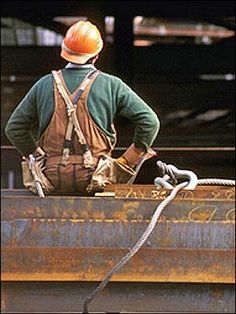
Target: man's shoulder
pixel 43 82
pixel 109 76
pixel 45 78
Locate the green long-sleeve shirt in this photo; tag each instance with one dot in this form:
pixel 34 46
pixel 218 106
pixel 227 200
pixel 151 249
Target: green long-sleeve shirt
pixel 109 96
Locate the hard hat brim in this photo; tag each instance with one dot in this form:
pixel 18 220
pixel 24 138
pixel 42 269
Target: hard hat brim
pixel 78 58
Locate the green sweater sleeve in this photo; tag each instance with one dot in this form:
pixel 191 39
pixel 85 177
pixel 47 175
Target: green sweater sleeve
pixel 145 120
pixel 21 123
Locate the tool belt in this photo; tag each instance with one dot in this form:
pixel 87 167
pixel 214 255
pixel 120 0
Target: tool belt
pixel 109 171
pixel 52 175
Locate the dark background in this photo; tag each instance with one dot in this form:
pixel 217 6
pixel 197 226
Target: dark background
pixel 166 76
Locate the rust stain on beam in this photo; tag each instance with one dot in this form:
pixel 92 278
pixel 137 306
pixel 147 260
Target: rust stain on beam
pixel 95 233
pixel 147 191
pixel 186 207
pixel 91 264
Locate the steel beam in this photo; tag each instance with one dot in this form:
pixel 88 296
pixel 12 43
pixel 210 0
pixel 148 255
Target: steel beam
pixel 118 297
pixel 92 264
pixel 187 264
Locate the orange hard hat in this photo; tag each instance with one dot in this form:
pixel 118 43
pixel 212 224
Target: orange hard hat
pixel 82 42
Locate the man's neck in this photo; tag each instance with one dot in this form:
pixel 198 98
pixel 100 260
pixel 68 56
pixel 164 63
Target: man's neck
pixel 80 66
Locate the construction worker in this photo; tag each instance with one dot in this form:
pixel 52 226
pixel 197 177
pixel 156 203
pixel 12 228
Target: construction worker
pixel 70 134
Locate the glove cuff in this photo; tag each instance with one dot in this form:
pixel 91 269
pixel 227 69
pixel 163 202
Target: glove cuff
pixel 132 155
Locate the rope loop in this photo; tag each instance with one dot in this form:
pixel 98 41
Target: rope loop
pixel 172 176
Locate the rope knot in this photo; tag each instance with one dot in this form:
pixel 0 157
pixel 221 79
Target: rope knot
pixel 165 171
pixel 172 176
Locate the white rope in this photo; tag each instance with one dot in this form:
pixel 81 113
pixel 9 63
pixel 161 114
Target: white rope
pixel 172 176
pixel 214 181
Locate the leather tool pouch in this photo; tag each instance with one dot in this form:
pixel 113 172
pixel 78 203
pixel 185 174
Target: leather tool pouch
pixel 109 171
pixel 29 180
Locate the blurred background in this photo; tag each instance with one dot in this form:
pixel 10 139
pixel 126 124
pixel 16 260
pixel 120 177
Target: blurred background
pixel 179 56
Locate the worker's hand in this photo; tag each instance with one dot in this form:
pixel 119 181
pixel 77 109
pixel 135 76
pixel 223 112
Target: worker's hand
pixel 110 171
pixel 134 156
pixel 131 157
pixel 38 153
pixel 121 160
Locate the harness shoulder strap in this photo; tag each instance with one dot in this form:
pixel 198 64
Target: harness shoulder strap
pixel 73 120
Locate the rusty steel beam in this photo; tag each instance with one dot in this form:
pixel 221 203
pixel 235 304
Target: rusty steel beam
pixel 149 191
pixel 115 233
pixel 204 205
pixel 66 238
pixel 223 193
pixel 70 221
pixel 91 264
pixel 196 221
pixel 119 297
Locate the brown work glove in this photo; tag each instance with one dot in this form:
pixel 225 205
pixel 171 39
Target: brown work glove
pixel 120 170
pixel 109 171
pixel 132 156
